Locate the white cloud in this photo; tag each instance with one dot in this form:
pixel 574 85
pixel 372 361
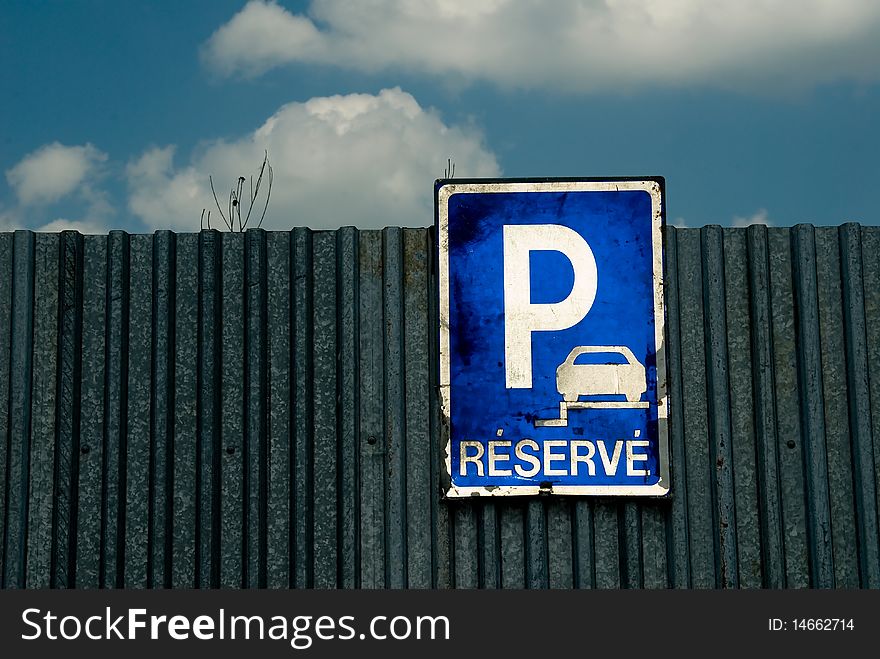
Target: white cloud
pixel 54 178
pixel 8 221
pixel 569 45
pixel 83 226
pixel 163 198
pixel 54 171
pixel 17 218
pixel 758 217
pixel 263 34
pixel 361 159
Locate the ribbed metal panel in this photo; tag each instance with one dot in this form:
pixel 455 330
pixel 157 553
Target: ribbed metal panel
pixel 258 410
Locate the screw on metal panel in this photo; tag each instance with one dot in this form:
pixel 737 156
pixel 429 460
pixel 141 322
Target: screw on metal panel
pixel 371 439
pixel 230 450
pixel 84 450
pixel 790 443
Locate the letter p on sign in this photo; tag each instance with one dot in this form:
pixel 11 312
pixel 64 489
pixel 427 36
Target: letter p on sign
pixel 521 317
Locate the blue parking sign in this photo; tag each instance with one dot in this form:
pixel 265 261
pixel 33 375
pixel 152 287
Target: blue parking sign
pixel 552 363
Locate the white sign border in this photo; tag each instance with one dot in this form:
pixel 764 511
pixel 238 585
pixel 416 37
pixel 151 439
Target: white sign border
pixel 654 187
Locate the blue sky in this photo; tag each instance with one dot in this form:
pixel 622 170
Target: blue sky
pixel 116 113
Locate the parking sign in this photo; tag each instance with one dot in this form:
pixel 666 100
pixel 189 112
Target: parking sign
pixel 552 366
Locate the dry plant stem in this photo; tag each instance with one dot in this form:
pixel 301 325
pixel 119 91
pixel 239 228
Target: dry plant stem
pixel 232 217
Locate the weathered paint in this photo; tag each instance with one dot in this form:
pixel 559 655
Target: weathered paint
pixel 462 239
pixel 196 410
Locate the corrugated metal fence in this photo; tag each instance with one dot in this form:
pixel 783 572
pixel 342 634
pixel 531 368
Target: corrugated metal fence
pixel 199 410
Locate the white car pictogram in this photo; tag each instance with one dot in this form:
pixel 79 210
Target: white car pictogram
pixel 574 380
